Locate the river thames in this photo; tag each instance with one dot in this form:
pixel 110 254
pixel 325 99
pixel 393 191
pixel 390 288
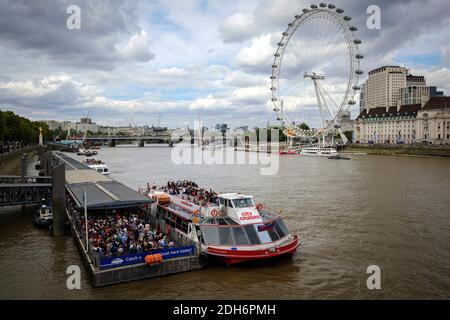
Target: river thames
pixel 389 211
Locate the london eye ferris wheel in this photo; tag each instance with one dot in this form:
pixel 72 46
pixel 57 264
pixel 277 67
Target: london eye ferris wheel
pixel 316 71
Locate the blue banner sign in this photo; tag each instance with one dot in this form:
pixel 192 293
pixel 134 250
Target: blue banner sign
pixel 129 259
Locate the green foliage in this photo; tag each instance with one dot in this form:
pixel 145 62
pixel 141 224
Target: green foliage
pixel 16 128
pixel 304 126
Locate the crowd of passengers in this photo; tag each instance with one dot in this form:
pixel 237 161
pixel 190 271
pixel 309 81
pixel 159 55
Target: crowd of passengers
pixel 122 232
pixel 190 190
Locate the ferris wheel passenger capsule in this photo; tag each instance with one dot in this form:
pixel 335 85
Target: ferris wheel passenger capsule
pixel 323 5
pixel 353 28
pixel 285 34
pixel 357 41
pixel 313 6
pixel 351 102
pixel 359 56
pixel 305 10
pixel 297 16
pixel 339 10
pixel 331 6
pixel 359 72
pixel 356 88
pixel 347 18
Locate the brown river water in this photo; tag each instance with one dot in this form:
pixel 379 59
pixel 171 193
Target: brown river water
pixel 389 211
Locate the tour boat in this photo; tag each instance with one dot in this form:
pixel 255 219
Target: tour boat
pixel 232 230
pixel 318 152
pixel 97 165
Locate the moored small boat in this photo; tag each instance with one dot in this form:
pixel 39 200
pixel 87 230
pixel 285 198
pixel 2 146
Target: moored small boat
pixel 43 217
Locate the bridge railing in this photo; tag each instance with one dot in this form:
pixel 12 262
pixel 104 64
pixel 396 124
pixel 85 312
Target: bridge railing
pixel 28 193
pixel 7 179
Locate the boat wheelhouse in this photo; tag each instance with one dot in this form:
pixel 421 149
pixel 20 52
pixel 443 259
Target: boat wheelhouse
pixel 233 229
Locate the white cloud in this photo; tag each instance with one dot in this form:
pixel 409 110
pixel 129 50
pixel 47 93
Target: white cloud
pixel 257 55
pixel 137 48
pixel 238 27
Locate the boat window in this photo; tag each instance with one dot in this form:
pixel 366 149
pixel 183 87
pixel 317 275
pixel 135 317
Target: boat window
pixel 210 235
pixel 229 205
pixel 222 201
pixel 243 203
pixel 225 236
pixel 184 225
pixel 222 222
pixel 264 236
pixel 280 227
pixel 231 221
pixel 239 236
pixel 251 234
pixel 273 234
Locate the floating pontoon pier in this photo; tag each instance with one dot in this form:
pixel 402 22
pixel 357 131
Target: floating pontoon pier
pixel 103 194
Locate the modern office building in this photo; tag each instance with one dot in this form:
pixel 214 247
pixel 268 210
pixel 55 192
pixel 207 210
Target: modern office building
pixel 362 97
pixel 415 81
pixel 414 95
pixel 383 86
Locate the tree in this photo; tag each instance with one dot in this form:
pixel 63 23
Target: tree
pixel 304 126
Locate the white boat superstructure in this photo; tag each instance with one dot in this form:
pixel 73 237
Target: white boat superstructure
pixel 318 152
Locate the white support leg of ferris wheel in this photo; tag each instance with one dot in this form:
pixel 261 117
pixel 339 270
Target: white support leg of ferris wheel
pixel 343 137
pixel 314 78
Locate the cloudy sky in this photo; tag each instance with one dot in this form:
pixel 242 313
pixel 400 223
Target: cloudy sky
pixel 134 60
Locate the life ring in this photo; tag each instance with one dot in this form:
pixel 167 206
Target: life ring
pixel 222 213
pixel 259 206
pixel 196 213
pixel 214 213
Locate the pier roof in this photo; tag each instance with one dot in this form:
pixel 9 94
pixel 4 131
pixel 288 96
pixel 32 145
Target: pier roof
pixel 107 195
pixel 102 192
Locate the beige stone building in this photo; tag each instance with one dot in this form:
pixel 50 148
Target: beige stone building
pixel 386 125
pixel 433 121
pixel 406 124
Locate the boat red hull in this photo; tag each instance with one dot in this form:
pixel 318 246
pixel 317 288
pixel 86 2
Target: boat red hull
pixel 236 256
